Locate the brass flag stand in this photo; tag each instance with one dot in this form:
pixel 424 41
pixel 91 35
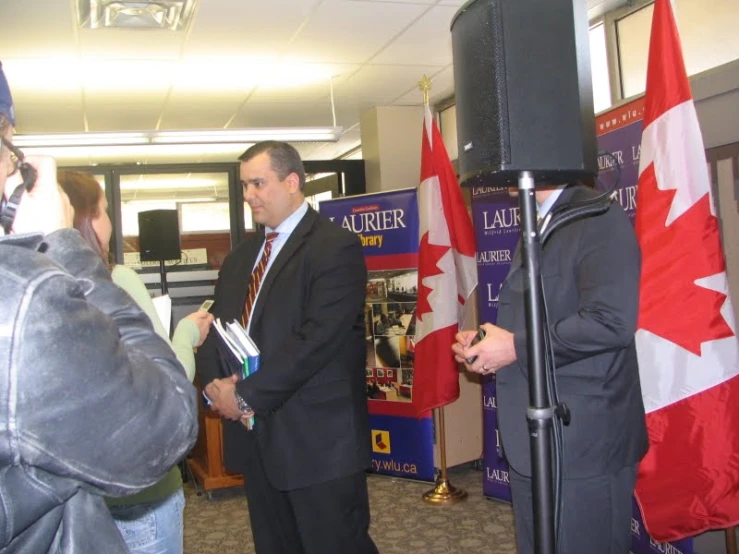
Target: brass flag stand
pixel 443 492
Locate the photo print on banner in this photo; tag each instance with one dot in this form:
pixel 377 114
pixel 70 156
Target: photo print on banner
pixel 390 324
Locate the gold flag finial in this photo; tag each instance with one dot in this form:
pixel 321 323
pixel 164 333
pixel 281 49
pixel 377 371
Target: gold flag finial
pixel 425 86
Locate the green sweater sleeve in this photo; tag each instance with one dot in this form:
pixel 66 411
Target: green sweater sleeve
pixel 186 334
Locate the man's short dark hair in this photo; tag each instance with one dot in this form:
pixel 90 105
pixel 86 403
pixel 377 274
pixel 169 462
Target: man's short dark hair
pixel 283 158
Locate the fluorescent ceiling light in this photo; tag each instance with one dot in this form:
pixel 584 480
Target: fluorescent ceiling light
pixel 217 136
pixel 149 203
pixel 80 139
pixel 140 153
pixel 221 136
pixel 175 184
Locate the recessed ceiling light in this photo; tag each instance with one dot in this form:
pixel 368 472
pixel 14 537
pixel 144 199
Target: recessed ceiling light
pixel 174 15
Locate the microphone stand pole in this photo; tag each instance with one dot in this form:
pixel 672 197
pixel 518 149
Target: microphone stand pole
pixel 539 413
pixel 163 277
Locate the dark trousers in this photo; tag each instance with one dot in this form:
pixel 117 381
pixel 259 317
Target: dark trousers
pixel 326 518
pixel 596 513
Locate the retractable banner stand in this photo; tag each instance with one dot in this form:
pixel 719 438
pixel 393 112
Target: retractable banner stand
pixel 496 218
pixel 619 133
pixel 387 225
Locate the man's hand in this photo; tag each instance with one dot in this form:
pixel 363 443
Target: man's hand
pixel 46 208
pixel 222 394
pixel 496 350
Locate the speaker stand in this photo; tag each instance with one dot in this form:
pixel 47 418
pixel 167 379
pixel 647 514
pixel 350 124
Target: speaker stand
pixel 163 277
pixel 539 413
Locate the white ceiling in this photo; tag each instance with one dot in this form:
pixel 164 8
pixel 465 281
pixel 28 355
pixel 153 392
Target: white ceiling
pixel 241 63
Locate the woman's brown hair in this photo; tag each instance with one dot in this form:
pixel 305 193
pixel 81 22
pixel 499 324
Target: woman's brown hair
pixel 84 194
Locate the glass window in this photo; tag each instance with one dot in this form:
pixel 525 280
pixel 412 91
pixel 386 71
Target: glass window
pixel 599 69
pixel 321 186
pixel 172 191
pixel 708 33
pixel 316 199
pixel 201 201
pixel 248 221
pixel 204 216
pixel 100 179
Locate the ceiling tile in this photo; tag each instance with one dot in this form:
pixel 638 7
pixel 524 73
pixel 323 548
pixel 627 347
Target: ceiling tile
pixel 348 111
pixel 316 83
pixel 49 112
pixel 381 84
pixel 245 27
pixel 131 44
pixel 351 31
pixel 28 76
pixel 442 87
pixel 272 114
pixel 124 112
pixel 596 8
pixel 187 110
pixel 331 150
pixel 135 77
pixel 37 29
pixel 428 40
pixel 306 149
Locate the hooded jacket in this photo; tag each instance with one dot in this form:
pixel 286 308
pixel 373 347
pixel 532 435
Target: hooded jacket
pixel 92 401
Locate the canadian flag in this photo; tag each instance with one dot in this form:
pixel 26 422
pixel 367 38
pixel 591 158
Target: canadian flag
pixel 447 273
pixel 686 342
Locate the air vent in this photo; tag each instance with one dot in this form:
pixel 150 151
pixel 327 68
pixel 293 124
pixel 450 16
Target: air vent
pixel 173 15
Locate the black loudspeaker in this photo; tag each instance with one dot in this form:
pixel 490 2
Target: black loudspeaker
pixel 523 91
pixel 159 235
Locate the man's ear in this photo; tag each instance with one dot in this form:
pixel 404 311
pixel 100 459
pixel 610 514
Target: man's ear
pixel 293 183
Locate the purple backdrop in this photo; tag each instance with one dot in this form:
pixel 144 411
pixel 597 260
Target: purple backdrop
pixel 496 218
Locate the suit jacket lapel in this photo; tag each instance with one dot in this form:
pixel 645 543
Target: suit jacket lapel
pixel 296 240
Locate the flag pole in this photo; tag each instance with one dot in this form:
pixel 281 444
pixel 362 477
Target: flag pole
pixel 443 492
pixel 731 540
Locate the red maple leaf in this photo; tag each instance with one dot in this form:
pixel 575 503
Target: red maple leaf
pixel 671 305
pixel 428 259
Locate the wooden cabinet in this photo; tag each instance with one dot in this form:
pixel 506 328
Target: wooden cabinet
pixel 206 458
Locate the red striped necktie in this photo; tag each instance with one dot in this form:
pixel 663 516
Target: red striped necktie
pixel 256 278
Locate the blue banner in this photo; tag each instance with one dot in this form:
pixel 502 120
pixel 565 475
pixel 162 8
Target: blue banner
pixel 387 225
pixel 396 444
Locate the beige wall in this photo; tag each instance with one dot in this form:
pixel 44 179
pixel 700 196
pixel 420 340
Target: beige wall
pixel 391 146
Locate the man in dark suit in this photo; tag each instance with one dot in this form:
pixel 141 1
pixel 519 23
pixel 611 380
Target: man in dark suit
pixel 304 460
pixel 590 269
